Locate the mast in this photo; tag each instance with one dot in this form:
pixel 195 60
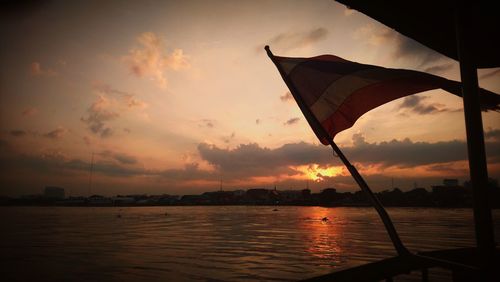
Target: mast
pixel 90 174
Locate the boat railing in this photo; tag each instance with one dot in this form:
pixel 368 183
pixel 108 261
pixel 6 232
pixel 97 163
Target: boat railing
pixel 461 262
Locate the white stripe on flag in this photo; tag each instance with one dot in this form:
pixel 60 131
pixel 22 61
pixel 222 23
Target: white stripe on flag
pixel 341 89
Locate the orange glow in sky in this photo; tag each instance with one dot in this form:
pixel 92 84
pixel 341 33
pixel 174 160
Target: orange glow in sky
pixel 316 172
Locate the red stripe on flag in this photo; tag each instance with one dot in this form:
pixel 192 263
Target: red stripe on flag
pixel 372 96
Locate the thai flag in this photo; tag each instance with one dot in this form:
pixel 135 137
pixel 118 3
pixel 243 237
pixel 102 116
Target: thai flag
pixel 333 92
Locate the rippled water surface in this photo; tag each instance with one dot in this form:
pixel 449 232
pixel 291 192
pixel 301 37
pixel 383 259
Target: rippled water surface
pixel 229 243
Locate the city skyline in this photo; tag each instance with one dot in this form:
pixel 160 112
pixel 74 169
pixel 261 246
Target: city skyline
pixel 176 97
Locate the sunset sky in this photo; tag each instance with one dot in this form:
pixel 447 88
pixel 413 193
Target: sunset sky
pixel 175 96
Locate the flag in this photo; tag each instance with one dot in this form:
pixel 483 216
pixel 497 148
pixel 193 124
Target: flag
pixel 333 92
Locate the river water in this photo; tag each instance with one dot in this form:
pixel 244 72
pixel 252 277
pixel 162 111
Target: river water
pixel 213 243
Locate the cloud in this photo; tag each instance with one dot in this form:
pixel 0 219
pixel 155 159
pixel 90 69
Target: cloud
pixel 18 133
pixel 415 104
pixel 127 98
pixel 286 97
pixel 227 139
pixel 152 60
pixel 61 165
pixel 404 47
pixel 109 105
pixel 109 163
pixel 257 121
pixel 249 165
pixel 36 69
pixel 245 161
pixel 294 40
pixel 251 160
pixel 119 157
pixel 98 115
pixel 133 102
pixel 30 111
pixel 190 171
pixel 56 133
pixel 406 153
pixel 208 123
pixel 292 121
pixel 492 134
pixel 448 169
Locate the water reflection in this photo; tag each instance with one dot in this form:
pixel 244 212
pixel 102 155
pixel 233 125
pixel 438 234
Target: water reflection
pixel 211 243
pixel 324 231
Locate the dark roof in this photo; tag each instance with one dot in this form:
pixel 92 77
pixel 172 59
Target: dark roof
pixel 432 23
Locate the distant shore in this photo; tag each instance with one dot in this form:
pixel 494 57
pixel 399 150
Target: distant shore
pixel 448 195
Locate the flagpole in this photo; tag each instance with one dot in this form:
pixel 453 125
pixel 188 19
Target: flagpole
pixel 316 126
pixel 389 226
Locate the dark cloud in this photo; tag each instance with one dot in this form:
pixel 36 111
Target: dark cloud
pixel 98 115
pixel 286 97
pixel 18 133
pixel 447 169
pixel 189 172
pixel 119 157
pixel 406 153
pixel 57 164
pixel 106 132
pixel 208 123
pixel 110 163
pixel 56 133
pixel 492 134
pixel 248 160
pixel 416 105
pixel 292 121
pixel 228 139
pixel 293 40
pixel 109 106
pixel 251 160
